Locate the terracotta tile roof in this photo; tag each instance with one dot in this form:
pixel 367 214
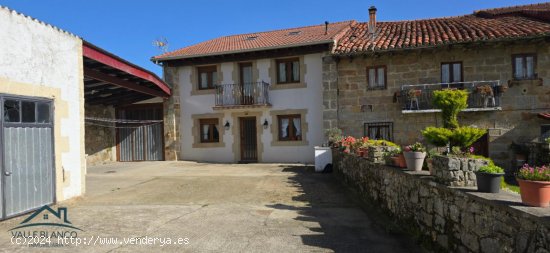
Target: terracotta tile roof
pixel 531 8
pixel 484 25
pixel 298 36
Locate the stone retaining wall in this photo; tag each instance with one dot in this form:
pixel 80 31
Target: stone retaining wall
pixel 451 218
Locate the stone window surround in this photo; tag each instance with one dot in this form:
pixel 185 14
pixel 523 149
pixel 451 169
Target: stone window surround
pixel 195 80
pixel 195 130
pixel 236 133
pixel 275 127
pixel 273 75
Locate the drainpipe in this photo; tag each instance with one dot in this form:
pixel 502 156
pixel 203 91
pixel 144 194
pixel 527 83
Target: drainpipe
pixel 337 60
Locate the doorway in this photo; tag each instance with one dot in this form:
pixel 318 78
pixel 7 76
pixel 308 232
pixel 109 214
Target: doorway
pixel 249 146
pixel 247 87
pixel 27 154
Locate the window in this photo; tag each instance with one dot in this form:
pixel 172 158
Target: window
pixel 451 72
pixel 376 77
pixel 209 130
pixel 208 77
pixel 288 71
pixel 290 127
pixel 12 110
pixel 21 111
pixel 524 66
pixel 379 131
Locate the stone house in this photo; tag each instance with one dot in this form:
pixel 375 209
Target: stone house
pixel 379 78
pixel 250 97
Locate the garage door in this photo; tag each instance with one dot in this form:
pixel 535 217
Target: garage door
pixel 141 137
pixel 27 157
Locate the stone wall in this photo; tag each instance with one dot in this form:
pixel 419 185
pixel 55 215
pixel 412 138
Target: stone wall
pixel 100 142
pixel 172 112
pixel 447 218
pixel 516 122
pixel 455 171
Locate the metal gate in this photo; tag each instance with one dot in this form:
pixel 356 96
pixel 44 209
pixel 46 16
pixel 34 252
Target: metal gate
pixel 249 150
pixel 27 157
pixel 141 142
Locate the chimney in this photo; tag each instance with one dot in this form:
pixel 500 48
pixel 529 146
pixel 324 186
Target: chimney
pixel 326 27
pixel 372 20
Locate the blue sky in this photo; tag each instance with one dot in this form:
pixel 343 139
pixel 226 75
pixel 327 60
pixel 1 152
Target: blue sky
pixel 128 28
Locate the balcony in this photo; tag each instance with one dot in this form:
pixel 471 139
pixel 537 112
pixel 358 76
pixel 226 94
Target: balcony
pixel 483 96
pixel 242 95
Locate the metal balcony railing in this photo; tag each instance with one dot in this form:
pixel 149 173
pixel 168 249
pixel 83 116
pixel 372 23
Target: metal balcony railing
pixel 242 94
pixel 483 95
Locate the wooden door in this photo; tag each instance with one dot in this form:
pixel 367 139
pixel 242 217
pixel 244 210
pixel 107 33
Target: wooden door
pixel 249 147
pixel 481 146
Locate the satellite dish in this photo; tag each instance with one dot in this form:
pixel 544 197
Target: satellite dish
pixel 161 43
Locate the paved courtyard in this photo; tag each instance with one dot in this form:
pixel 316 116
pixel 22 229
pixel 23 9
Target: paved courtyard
pixel 219 207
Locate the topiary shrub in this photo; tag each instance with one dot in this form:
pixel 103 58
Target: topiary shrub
pixel 451 102
pixel 465 136
pixel 437 136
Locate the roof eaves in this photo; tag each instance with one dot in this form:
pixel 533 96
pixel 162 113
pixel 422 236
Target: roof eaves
pixel 179 57
pixel 366 52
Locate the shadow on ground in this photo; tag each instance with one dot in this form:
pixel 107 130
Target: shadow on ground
pixel 337 221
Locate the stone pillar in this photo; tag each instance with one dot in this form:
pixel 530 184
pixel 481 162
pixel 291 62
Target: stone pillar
pixel 172 114
pixel 330 92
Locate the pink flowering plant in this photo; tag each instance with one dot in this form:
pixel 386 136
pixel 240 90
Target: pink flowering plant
pixel 534 173
pixel 417 147
pixel 347 143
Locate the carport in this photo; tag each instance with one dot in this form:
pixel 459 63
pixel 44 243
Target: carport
pixel 123 108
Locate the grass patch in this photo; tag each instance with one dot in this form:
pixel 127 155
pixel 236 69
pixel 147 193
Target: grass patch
pixel 509 185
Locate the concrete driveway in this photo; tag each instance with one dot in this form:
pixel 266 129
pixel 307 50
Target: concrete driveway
pixel 215 208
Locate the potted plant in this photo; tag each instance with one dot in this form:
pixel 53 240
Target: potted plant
pixel 346 144
pixel 414 156
pixel 364 147
pixel 334 136
pixel 534 185
pixel 488 178
pixel 397 158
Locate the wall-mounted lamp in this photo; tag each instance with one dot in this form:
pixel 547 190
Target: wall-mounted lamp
pixel 265 124
pixel 226 125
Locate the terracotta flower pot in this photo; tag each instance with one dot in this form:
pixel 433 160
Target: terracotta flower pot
pixel 414 160
pixel 400 161
pixel 534 193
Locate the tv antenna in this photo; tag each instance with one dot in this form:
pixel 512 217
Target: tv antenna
pixel 162 44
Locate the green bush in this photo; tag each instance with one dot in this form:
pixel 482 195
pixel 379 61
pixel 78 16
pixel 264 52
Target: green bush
pixel 382 143
pixel 451 102
pixel 465 136
pixel 493 169
pixel 437 136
